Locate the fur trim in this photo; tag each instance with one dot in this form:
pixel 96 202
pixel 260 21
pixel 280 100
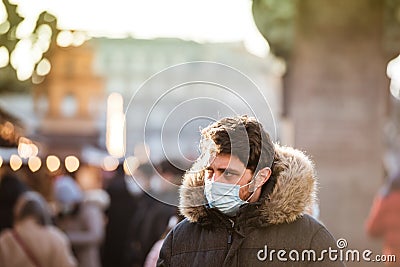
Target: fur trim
pixel 294 192
pixel 295 188
pixel 192 198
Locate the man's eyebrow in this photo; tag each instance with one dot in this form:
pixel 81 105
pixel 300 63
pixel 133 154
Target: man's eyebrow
pixel 229 170
pixel 209 168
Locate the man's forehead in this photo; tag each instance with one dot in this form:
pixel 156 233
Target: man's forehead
pixel 226 161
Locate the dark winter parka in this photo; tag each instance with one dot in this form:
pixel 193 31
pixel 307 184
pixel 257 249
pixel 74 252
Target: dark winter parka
pixel 259 230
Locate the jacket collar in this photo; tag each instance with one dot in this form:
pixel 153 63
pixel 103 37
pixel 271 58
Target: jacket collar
pixel 290 191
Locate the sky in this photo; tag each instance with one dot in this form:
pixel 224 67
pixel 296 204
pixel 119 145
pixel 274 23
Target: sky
pixel 201 21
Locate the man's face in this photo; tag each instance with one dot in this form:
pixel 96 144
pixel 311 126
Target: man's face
pixel 228 169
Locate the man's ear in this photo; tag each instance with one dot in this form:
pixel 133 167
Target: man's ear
pixel 262 177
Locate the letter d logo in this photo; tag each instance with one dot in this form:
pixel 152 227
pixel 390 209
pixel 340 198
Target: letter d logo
pixel 262 254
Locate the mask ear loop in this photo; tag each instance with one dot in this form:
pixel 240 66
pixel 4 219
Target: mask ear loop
pixel 253 190
pixel 254 187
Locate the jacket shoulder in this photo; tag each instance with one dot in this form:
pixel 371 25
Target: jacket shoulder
pixel 185 227
pixel 310 225
pixel 320 237
pixel 306 231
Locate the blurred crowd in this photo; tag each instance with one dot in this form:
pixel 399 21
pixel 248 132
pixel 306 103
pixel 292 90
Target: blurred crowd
pixel 120 219
pixel 115 219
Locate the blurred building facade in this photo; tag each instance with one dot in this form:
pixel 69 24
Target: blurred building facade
pixel 143 72
pixel 68 112
pixel 67 102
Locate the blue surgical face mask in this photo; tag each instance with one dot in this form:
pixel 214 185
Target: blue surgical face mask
pixel 224 197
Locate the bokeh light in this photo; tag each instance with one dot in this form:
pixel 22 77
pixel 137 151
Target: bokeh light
pixel 4 56
pixel 44 32
pixel 34 150
pixel 130 165
pixel 15 162
pixel 65 38
pixel 43 68
pixel 34 163
pixel 7 131
pixel 71 163
pixel 24 150
pixel 26 27
pixel 115 134
pixel 53 163
pixel 3 13
pixel 110 163
pixel 22 59
pixel 393 72
pixel 4 27
pixel 78 38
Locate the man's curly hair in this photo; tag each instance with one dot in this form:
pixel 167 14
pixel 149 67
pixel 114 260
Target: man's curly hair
pixel 243 137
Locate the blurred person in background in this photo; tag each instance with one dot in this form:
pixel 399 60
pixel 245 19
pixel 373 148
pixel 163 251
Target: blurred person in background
pixel 150 219
pixel 123 205
pixel 384 219
pixel 33 241
pixel 81 217
pixel 172 176
pixel 169 178
pixel 11 187
pixel 152 257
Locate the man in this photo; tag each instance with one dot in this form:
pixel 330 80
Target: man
pixel 244 201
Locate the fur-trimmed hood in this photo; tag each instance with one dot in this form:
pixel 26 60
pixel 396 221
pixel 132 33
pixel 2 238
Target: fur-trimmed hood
pixel 292 195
